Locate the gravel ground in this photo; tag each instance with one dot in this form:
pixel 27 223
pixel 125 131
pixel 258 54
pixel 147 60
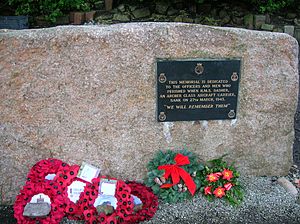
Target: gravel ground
pixel 265 202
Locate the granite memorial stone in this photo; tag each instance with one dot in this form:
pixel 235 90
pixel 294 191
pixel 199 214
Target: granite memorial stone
pixel 88 93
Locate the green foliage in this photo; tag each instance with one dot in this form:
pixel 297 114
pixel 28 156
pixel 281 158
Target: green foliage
pixel 264 6
pixel 50 9
pixel 271 6
pixel 210 21
pixel 172 194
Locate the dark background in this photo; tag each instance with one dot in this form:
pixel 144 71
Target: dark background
pixel 296 148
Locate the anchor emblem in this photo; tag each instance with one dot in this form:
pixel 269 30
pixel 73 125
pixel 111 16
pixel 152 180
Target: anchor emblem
pixel 162 116
pixel 162 78
pixel 199 69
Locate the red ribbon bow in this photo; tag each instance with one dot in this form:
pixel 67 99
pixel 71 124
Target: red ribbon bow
pixel 176 172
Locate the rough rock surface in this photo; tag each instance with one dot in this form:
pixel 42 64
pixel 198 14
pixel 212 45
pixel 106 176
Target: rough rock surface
pixel 89 93
pixel 287 185
pixel 34 210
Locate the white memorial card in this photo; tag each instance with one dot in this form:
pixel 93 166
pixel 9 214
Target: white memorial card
pixel 88 172
pixel 75 189
pixel 107 187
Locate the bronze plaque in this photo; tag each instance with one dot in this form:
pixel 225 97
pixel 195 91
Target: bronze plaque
pixel 190 90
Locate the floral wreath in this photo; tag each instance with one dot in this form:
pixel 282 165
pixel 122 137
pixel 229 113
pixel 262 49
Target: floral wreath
pixel 44 167
pixel 172 175
pixel 220 180
pixel 121 213
pixel 29 190
pixel 149 200
pixel 62 180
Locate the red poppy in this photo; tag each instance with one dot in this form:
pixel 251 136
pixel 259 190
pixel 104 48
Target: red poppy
pixel 219 192
pixel 112 219
pixel 228 186
pixel 227 174
pixel 89 215
pixel 102 218
pixel 212 177
pixel 207 190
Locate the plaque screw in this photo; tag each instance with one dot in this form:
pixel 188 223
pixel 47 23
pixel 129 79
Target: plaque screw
pixel 234 76
pixel 162 116
pixel 199 69
pixel 162 78
pixel 231 114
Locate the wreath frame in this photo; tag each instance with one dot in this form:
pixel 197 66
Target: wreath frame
pixel 155 179
pixel 148 198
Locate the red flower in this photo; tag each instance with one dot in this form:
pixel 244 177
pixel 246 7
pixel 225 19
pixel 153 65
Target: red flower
pixel 219 192
pixel 112 219
pixel 207 190
pixel 227 174
pixel 212 177
pixel 228 186
pixel 218 174
pixel 89 215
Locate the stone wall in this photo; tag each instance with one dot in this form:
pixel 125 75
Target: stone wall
pixel 88 93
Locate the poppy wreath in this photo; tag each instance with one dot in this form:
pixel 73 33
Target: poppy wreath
pixel 44 167
pixel 148 198
pixel 29 190
pixel 172 175
pixel 62 180
pixel 124 204
pixel 220 180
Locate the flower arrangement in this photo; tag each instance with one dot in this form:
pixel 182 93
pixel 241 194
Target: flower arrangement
pixel 220 180
pixel 172 175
